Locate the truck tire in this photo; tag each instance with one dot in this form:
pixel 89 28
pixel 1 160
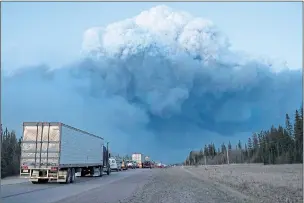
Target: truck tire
pixel 108 171
pixel 68 177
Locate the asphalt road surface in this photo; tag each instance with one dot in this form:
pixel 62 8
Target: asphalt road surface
pixel 118 185
pixel 171 185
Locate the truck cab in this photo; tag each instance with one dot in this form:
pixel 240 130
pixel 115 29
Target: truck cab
pixel 114 164
pixel 147 164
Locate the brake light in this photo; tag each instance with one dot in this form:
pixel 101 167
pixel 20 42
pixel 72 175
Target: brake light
pixel 54 169
pixel 24 167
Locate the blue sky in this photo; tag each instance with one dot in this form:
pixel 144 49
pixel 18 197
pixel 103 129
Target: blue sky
pixel 49 32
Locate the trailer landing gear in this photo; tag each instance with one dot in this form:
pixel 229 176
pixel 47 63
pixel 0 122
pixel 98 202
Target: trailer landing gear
pixel 73 175
pixel 100 171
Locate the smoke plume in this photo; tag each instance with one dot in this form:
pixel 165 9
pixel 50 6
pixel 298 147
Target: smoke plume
pixel 161 83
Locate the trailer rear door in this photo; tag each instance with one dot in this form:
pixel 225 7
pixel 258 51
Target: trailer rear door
pixel 40 145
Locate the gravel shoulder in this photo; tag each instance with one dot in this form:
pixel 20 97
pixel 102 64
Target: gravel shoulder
pixel 175 185
pixel 272 183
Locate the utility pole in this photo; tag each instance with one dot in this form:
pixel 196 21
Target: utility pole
pixel 228 162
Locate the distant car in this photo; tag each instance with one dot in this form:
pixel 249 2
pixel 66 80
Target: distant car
pixel 124 165
pixel 160 166
pixel 114 165
pixel 130 164
pixel 147 164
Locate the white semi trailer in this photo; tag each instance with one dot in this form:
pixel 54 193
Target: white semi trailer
pixel 139 158
pixel 55 151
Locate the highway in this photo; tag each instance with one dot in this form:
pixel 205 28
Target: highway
pixel 212 184
pixel 168 185
pixel 115 187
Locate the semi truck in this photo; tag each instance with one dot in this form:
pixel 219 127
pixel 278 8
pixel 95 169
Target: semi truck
pixel 56 151
pixel 147 163
pixel 139 158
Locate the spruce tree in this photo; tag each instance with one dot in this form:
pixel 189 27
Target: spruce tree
pixel 240 145
pixel 288 125
pixel 223 148
pixel 298 136
pixel 229 146
pixel 249 148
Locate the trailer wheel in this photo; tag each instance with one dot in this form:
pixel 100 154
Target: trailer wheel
pixel 68 178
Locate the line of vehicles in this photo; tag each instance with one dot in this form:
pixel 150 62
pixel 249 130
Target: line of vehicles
pixel 53 151
pixel 137 161
pixel 118 164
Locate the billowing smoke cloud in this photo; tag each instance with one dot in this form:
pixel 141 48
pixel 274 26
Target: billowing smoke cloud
pixel 160 82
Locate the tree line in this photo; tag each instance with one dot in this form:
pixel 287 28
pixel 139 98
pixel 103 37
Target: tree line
pixel 277 145
pixel 10 153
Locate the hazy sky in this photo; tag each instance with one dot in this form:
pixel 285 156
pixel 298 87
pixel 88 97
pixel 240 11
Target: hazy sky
pixel 166 105
pixel 52 32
